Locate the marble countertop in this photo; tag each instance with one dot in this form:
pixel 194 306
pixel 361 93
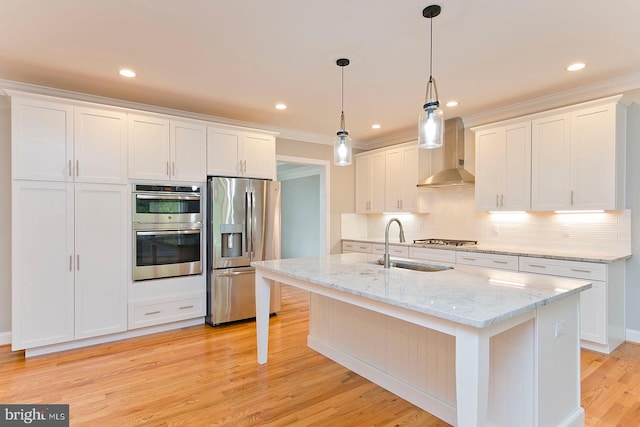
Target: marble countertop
pixel 477 297
pixel 567 255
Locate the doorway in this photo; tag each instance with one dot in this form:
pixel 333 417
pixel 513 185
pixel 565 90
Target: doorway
pixel 304 206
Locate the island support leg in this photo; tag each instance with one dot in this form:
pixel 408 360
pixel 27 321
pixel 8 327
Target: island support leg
pixel 472 377
pixel 263 297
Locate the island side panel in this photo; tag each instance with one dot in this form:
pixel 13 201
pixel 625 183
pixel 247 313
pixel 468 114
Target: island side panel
pixel 263 298
pixel 558 363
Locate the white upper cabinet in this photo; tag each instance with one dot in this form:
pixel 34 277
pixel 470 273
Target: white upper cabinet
pixel 550 174
pixel 370 182
pixel 401 173
pixel 56 141
pixel 503 168
pixel 188 147
pixel 387 178
pixel 100 148
pixel 166 149
pixel 237 152
pixel 578 158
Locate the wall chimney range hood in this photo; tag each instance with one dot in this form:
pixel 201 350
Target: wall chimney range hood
pixel 453 173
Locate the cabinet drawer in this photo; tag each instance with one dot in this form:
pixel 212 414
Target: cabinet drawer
pixel 356 247
pixel 155 312
pixel 574 269
pixel 503 262
pixel 429 254
pixel 395 250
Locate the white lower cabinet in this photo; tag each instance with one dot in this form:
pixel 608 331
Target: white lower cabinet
pixel 436 255
pixel 602 324
pixel 69 262
pixel 502 262
pixel 165 310
pixel 394 250
pixel 349 246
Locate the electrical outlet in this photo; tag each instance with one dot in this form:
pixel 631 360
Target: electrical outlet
pixel 496 228
pixel 566 230
pixel 559 330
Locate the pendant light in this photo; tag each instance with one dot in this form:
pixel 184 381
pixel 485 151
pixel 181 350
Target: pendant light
pixel 342 144
pixel 431 120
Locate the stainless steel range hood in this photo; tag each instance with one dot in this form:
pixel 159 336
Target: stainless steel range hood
pixel 453 173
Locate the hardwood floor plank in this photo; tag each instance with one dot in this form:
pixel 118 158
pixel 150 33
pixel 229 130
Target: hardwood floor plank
pixel 203 376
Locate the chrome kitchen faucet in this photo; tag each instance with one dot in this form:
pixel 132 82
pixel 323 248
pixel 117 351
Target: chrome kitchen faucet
pixel 387 258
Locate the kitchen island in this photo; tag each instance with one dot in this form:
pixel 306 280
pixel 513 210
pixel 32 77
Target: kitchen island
pixel 472 346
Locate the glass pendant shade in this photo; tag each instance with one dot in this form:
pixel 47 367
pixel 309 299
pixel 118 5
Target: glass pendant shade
pixel 342 149
pixel 431 126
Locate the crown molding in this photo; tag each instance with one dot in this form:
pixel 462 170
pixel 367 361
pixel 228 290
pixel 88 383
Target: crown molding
pixel 561 99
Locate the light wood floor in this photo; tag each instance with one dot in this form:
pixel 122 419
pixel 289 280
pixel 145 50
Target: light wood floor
pixel 203 376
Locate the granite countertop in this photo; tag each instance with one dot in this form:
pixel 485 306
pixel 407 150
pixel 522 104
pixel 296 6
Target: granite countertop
pixel 477 297
pixel 566 255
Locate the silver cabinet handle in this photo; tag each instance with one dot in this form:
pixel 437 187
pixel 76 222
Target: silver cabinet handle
pixel 77 167
pixel 186 307
pixel 153 312
pixel 70 169
pixel 572 194
pixel 78 262
pixel 577 270
pixel 502 200
pixel 173 168
pixel 468 259
pixel 537 266
pixel 497 204
pixel 499 262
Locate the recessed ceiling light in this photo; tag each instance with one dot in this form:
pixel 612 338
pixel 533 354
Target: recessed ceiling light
pixel 125 72
pixel 575 67
pixel 281 106
pixel 375 126
pixel 452 104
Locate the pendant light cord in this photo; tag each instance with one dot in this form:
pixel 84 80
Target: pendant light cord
pixel 342 125
pixel 431 50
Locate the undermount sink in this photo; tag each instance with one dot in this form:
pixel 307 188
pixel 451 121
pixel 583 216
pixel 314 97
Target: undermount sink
pixel 413 266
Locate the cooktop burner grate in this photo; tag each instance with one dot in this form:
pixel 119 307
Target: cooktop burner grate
pixel 446 242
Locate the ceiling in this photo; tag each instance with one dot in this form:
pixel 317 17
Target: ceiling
pixel 237 59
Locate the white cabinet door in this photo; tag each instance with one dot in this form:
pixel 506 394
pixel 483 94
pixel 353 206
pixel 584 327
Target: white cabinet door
pixel 409 179
pixel 593 313
pixel 42 264
pixel 503 168
pixel 517 168
pixel 378 174
pixel 259 155
pixel 101 260
pixel 393 180
pixel 42 140
pixel 490 160
pixel 188 142
pixel 363 183
pixel 550 173
pixel 370 182
pixel 593 158
pixel 223 150
pixel 149 156
pixel 100 146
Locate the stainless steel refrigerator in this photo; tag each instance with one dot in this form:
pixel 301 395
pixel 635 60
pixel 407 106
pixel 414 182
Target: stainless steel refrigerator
pixel 243 225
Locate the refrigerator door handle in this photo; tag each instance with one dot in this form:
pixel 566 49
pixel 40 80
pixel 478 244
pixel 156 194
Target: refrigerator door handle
pixel 247 221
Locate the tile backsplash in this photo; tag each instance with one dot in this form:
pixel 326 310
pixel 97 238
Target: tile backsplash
pixel 453 216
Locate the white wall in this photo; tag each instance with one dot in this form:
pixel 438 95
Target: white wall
pixel 5 217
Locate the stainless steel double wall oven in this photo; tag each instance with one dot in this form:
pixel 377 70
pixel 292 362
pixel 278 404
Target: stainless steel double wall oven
pixel 167 231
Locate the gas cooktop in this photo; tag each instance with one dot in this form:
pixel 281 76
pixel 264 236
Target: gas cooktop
pixel 446 242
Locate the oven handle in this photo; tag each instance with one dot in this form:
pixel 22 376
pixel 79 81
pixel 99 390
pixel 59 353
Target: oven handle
pixel 235 273
pixel 166 197
pixel 165 232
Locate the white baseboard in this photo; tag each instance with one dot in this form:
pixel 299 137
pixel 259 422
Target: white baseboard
pixel 633 336
pixel 5 338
